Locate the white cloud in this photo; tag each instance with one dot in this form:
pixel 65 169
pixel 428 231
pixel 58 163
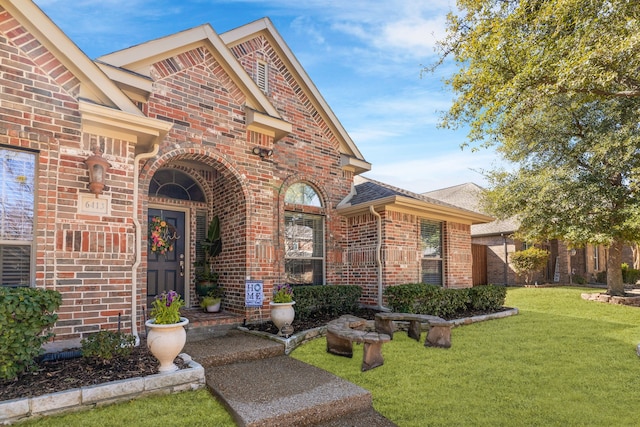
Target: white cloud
pixel 413 34
pixel 431 172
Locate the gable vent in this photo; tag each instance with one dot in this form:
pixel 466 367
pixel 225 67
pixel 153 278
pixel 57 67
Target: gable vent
pixel 262 74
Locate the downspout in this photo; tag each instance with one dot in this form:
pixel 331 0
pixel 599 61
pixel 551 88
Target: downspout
pixel 379 257
pixel 138 240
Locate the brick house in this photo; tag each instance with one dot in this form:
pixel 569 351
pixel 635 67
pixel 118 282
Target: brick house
pixel 191 126
pixel 492 243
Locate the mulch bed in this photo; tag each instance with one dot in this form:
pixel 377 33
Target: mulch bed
pixel 60 375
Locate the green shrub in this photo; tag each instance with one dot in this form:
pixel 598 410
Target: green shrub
pixel 601 277
pixel 25 313
pixel 630 275
pixel 579 279
pixel 403 298
pixel 444 302
pixel 107 345
pixel 528 261
pixel 334 300
pixel 487 298
pixel 436 301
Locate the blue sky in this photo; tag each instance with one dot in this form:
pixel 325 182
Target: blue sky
pixel 364 56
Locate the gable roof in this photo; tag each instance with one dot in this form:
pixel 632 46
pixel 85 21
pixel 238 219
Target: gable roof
pixel 96 87
pixel 101 103
pixel 368 192
pixel 468 196
pixel 131 66
pixel 351 156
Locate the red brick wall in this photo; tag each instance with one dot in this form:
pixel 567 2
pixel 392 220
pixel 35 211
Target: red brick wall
pixel 192 91
pixel 400 252
pixel 458 264
pixel 85 257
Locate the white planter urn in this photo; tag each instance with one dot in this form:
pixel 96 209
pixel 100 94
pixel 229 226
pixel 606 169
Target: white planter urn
pixel 165 342
pixel 282 313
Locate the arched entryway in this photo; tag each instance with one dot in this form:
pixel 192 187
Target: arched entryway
pixel 186 191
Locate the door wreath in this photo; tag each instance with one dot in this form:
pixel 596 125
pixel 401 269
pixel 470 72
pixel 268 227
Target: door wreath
pixel 161 235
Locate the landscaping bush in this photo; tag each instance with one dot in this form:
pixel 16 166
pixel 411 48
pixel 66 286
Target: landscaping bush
pixel 403 298
pixel 487 298
pixel 105 345
pixel 528 261
pixel 579 279
pixel 630 275
pixel 24 314
pixel 443 302
pixel 334 300
pixel 430 299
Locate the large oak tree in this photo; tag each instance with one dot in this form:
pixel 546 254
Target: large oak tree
pixel 554 85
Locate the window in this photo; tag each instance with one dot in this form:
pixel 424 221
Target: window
pixel 17 185
pixel 304 248
pixel 304 237
pixel 596 259
pixel 175 184
pixel 431 247
pixel 302 193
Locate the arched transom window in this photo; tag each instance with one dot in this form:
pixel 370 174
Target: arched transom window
pixel 304 236
pixel 175 184
pixel 302 193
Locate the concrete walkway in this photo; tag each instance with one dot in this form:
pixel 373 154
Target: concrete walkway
pixel 260 386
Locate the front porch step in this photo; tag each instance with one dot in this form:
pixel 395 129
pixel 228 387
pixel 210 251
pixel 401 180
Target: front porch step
pixel 204 325
pixel 261 386
pixel 282 391
pixel 235 346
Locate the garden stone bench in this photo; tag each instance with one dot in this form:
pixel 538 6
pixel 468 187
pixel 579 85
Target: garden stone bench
pixel 439 334
pixel 345 330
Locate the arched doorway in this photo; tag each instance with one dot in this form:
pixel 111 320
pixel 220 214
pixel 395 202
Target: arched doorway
pixel 172 193
pixel 202 185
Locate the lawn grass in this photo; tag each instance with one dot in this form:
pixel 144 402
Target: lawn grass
pixel 189 408
pixel 561 361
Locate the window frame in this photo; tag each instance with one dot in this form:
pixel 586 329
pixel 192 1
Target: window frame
pixel 314 211
pixel 440 256
pixel 29 243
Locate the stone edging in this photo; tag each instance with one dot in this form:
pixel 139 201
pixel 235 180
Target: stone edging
pixel 603 297
pixel 192 378
pixel 294 340
pixel 301 337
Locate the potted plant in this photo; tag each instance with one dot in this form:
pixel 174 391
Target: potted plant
pixel 211 301
pixel 166 336
pixel 282 311
pixel 206 278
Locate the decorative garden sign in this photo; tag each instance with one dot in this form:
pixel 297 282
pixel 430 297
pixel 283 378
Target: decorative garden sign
pixel 253 293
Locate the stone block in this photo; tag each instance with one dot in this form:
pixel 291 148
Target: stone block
pixel 112 390
pixel 13 409
pixel 56 401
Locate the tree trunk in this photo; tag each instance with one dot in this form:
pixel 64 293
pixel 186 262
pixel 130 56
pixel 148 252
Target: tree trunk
pixel 614 268
pixel 635 250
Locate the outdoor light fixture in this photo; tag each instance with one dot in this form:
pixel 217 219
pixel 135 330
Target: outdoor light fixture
pixel 98 167
pixel 262 152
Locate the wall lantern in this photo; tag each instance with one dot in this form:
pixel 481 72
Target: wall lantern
pixel 98 167
pixel 262 152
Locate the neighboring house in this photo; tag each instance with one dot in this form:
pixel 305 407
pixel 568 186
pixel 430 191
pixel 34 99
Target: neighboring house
pixel 493 242
pixel 183 128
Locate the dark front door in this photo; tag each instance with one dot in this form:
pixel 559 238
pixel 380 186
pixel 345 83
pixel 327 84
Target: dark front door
pixel 165 272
